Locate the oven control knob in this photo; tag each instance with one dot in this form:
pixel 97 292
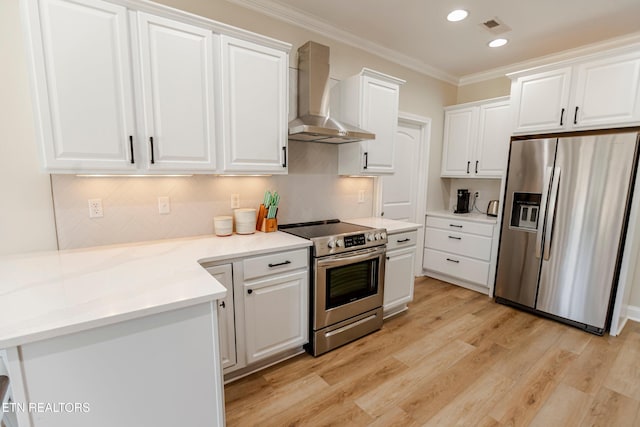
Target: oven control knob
pixel 369 237
pixel 331 244
pixel 377 236
pixel 339 243
pixel 383 235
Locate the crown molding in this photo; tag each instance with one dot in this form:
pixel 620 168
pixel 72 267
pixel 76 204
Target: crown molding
pixel 567 55
pixel 296 17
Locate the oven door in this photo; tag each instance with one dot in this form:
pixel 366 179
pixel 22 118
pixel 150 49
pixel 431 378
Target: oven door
pixel 347 285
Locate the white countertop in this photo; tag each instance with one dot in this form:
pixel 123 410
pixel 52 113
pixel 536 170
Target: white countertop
pixel 472 216
pixel 48 294
pixel 391 225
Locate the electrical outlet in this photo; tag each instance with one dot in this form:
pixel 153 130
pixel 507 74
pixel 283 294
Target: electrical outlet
pixel 164 205
pixel 235 201
pixel 95 208
pixel 477 194
pixel 360 196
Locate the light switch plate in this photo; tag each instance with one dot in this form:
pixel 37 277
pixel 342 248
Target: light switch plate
pixel 164 205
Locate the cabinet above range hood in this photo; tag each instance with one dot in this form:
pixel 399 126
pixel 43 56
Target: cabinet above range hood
pixel 313 123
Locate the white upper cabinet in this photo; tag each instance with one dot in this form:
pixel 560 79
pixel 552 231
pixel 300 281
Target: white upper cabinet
pixel 608 92
pixel 541 100
pixel 83 84
pixel 368 100
pixel 133 87
pixel 588 94
pixel 476 139
pixel 178 93
pixel 255 107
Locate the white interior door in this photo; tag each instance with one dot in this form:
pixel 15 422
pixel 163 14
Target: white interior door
pixel 399 191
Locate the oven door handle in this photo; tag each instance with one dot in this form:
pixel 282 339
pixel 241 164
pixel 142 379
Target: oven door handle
pixel 352 256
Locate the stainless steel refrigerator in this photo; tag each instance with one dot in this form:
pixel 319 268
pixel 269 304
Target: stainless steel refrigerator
pixel 567 202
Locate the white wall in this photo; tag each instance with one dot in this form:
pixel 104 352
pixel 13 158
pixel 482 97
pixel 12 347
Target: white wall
pixel 26 214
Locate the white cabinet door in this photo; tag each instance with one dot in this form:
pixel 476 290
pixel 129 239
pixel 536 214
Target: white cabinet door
pixel 380 116
pixel 83 83
pixel 460 132
pixel 540 101
pixel 607 92
pixel 494 133
pixel 255 92
pixel 226 323
pixel 178 92
pixel 275 314
pixel 398 277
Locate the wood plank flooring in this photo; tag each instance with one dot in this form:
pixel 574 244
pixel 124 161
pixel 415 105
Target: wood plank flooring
pixel 455 358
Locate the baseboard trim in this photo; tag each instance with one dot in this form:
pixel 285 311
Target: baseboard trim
pixel 633 313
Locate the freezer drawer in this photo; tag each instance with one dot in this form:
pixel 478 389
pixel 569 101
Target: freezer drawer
pixel 461 267
pixel 468 245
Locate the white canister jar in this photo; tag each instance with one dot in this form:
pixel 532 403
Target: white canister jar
pixel 223 225
pixel 245 220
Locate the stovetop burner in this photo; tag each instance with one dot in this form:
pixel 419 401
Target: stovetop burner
pixel 334 236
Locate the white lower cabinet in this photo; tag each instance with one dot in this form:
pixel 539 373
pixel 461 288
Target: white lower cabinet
pixel 275 314
pixel 226 322
pixel 460 252
pixel 399 272
pixel 265 315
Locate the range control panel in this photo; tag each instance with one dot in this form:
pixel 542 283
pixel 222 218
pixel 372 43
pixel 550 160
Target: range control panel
pixel 355 240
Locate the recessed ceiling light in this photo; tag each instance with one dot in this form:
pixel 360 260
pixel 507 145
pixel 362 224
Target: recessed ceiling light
pixel 457 15
pixel 498 42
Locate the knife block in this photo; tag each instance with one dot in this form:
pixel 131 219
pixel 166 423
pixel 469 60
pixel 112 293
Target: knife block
pixel 265 224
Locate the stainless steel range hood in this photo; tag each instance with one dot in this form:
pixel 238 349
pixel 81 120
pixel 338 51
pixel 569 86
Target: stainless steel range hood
pixel 313 123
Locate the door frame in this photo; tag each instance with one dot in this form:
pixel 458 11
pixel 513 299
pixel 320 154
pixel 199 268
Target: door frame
pixel 423 165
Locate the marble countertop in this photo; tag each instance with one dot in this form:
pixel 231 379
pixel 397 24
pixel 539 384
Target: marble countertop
pixel 391 225
pixel 472 216
pixel 48 294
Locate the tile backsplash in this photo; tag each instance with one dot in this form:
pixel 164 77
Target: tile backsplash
pixel 312 190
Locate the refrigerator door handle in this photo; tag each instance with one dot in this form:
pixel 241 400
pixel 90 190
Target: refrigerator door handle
pixel 548 172
pixel 552 213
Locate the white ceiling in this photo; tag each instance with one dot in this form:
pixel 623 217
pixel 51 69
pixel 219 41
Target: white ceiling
pixel 417 34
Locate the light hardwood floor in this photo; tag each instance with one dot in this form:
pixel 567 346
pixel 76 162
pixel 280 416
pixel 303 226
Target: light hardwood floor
pixel 455 358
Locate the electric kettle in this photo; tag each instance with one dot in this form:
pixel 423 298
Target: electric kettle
pixel 492 208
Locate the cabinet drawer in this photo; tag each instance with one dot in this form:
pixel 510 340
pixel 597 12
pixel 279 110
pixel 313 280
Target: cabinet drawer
pixel 456 266
pixel 402 240
pixel 460 225
pixel 464 244
pixel 275 263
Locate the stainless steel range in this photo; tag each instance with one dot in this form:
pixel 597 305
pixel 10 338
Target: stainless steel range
pixel 347 281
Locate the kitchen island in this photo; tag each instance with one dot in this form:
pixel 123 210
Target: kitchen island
pixel 119 335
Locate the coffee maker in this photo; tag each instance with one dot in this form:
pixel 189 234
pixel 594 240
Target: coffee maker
pixel 462 205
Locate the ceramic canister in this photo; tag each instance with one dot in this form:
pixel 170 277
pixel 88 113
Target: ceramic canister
pixel 245 220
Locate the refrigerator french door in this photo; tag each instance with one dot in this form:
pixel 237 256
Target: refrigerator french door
pixel 567 203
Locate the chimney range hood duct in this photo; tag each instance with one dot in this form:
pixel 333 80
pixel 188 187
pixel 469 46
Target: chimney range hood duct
pixel 313 123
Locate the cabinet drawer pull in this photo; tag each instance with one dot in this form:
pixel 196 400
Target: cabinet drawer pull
pixel 455 238
pixel 477 161
pixel 468 164
pixel 388 258
pixel 131 148
pixel 222 304
pixel 575 117
pixel 366 160
pixel 279 264
pixel 455 225
pixel 562 117
pixel 250 291
pixel 453 260
pixel 284 153
pixel 403 240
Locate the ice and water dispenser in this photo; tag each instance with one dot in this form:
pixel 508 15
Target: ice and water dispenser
pixel 525 210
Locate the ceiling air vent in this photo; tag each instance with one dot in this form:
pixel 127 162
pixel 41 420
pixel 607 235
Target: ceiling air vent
pixel 495 26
